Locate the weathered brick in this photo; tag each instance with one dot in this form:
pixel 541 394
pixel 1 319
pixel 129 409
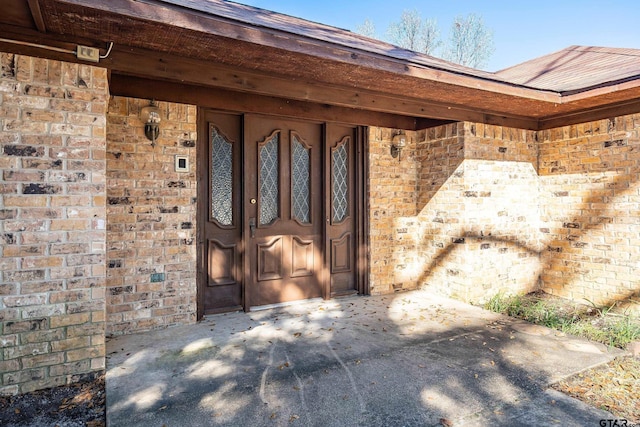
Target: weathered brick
pixel 23 151
pixel 41 189
pixel 23 250
pixel 81 366
pixel 69 319
pixel 26 350
pixel 9 340
pixel 36 311
pixel 23 376
pixel 42 336
pixel 9 365
pixel 70 296
pixel 85 353
pixel 25 300
pixel 37 176
pixel 42 360
pixel 70 344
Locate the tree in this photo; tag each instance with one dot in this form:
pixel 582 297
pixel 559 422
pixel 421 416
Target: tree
pixel 366 29
pixel 471 43
pixel 412 33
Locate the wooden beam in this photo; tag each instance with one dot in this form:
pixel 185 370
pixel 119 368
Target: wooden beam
pixel 339 47
pixel 142 63
pixel 227 100
pixel 422 123
pixel 591 114
pixel 36 13
pixel 161 66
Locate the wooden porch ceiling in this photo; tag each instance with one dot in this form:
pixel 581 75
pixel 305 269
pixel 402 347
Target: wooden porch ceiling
pixel 167 49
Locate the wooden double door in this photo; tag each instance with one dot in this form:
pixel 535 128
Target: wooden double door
pixel 278 202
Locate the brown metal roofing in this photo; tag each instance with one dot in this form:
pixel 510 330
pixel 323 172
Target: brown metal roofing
pixel 227 46
pixel 256 17
pixel 576 68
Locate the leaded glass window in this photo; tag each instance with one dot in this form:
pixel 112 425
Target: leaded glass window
pixel 300 180
pixel 339 165
pixel 221 178
pixel 269 196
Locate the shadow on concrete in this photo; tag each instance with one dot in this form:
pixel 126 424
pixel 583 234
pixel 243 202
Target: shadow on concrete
pixel 409 359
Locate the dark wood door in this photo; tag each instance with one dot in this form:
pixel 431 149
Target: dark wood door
pixel 283 210
pixel 220 219
pixel 342 208
pixel 279 203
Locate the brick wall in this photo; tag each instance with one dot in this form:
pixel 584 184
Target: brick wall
pixel 508 210
pixel 501 247
pixel 151 219
pixel 392 198
pixel 591 209
pixel 439 218
pixel 52 222
pixel 459 213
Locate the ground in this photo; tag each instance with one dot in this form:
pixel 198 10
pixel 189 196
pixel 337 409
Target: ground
pixel 76 405
pixel 614 387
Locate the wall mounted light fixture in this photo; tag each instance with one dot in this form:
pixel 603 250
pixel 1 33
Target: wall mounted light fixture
pixel 398 142
pixel 150 116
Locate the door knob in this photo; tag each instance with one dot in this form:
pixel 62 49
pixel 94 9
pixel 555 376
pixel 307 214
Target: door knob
pixel 252 227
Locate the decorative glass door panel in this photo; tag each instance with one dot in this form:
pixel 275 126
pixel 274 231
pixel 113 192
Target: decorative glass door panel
pixel 269 180
pixel 341 238
pixel 300 180
pixel 283 196
pixel 220 274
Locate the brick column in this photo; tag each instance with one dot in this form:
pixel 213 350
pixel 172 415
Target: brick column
pixel 151 219
pixel 52 222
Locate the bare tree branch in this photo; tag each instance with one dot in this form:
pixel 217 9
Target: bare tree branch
pixel 470 43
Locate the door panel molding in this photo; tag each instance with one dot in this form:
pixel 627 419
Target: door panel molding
pixel 342 253
pixel 270 260
pixel 302 257
pixel 223 263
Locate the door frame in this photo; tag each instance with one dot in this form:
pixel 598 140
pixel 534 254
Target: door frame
pixel 361 214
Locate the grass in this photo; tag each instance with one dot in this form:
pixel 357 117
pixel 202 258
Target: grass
pixel 592 322
pixel 613 387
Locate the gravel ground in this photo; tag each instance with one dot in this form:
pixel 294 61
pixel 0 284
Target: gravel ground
pixel 614 387
pixel 76 405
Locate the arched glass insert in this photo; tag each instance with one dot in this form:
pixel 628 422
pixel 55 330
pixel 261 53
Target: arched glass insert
pixel 300 181
pixel 221 178
pixel 269 160
pixel 339 169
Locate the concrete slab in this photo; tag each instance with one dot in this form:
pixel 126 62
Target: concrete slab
pixel 408 359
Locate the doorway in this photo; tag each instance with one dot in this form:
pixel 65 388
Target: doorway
pixel 278 202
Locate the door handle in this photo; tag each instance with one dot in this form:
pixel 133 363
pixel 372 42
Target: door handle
pixel 252 227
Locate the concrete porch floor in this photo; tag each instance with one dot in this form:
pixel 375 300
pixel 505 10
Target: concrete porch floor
pixel 407 359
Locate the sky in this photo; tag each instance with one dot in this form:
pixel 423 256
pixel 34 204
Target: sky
pixel 522 30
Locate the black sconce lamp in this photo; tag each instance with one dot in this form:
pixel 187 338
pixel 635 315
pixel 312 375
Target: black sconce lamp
pixel 398 142
pixel 150 116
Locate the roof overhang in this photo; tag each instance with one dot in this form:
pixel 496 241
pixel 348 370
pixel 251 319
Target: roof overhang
pixel 195 50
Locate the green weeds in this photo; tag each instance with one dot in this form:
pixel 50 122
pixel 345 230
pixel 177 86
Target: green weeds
pixel 594 323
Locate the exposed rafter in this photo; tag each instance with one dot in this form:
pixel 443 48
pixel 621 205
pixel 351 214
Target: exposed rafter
pixel 226 48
